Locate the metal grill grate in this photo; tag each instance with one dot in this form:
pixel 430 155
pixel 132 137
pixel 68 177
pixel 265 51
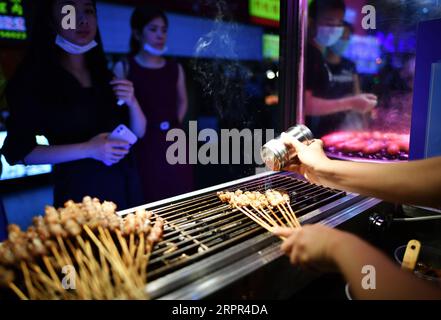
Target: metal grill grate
pixel 201 226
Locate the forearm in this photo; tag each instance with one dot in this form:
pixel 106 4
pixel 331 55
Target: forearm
pixel 182 111
pixel 320 107
pixel 57 154
pixel 372 275
pixel 415 183
pixel 138 121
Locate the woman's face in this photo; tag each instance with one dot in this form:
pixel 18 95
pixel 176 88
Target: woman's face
pixel 86 21
pixel 155 33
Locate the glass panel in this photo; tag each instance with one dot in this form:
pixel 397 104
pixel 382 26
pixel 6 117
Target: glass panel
pixel 360 70
pixel 229 51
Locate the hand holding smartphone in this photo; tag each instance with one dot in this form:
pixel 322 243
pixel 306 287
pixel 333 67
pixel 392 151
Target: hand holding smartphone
pixel 122 133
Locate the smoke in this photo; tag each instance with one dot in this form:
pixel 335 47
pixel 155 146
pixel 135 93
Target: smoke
pixel 221 76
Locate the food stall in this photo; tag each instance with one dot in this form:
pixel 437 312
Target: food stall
pixel 201 247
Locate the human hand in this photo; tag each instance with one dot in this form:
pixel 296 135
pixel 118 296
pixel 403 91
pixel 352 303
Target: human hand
pixel 311 157
pixel 107 151
pixel 363 103
pixel 311 246
pixel 124 91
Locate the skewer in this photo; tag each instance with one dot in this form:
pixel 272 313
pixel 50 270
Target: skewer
pixel 255 218
pixel 275 215
pixel 18 292
pixel 120 271
pixel 286 213
pixel 294 215
pixel 28 282
pixel 266 216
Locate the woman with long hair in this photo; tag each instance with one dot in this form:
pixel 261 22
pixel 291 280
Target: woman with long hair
pixel 160 87
pixel 64 91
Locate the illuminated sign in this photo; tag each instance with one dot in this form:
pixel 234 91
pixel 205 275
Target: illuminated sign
pixel 265 12
pixel 21 171
pixel 12 20
pixel 271 46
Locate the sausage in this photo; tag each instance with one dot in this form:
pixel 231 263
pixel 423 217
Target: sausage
pixel 364 135
pixel 340 146
pixel 354 145
pixel 373 147
pixel 403 142
pixel 391 136
pixel 393 149
pixel 332 139
pixel 377 135
pixel 404 145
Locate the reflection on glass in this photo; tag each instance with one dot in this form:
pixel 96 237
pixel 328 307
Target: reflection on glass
pixel 229 51
pixel 359 81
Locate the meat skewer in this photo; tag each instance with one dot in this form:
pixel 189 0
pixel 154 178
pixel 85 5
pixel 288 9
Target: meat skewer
pixel 260 207
pixel 82 235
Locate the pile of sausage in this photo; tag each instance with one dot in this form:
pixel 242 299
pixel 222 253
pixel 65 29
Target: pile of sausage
pixel 368 144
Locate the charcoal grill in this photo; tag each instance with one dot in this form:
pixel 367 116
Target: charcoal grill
pixel 208 245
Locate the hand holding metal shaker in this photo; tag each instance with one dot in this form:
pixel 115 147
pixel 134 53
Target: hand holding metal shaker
pixel 276 154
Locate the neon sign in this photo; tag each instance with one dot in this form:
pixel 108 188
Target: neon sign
pixel 265 12
pixel 12 20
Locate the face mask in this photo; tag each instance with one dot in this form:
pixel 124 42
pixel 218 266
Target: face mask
pixel 72 48
pixel 155 52
pixel 328 36
pixel 340 47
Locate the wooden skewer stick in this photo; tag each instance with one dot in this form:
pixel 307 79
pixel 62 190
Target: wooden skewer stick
pixel 64 252
pixel 265 216
pixel 28 282
pixel 87 282
pixel 255 219
pixel 139 252
pixel 118 259
pixel 52 273
pixel 293 215
pixel 114 253
pixel 132 245
pixel 18 292
pixel 124 247
pixel 284 210
pixel 290 224
pixel 57 256
pixel 281 224
pixel 52 286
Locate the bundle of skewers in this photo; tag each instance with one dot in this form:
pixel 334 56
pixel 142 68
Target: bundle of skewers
pixel 83 251
pixel 270 210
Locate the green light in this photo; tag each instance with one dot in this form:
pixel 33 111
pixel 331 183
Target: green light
pixel 271 46
pixel 13 35
pixel 266 9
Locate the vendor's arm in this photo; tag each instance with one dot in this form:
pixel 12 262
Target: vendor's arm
pixel 417 182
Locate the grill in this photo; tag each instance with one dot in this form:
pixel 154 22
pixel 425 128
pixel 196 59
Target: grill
pixel 202 234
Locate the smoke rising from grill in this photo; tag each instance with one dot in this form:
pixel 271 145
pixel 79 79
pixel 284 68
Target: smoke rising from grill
pixel 222 77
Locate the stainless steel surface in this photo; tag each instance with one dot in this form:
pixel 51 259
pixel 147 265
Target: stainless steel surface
pixel 276 155
pixel 257 253
pixel 208 245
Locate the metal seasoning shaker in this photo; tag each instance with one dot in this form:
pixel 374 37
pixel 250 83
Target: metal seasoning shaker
pixel 276 155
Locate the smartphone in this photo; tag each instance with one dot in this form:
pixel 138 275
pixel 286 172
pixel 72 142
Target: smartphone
pixel 122 133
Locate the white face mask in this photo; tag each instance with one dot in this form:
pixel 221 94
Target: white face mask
pixel 155 52
pixel 328 36
pixel 72 48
